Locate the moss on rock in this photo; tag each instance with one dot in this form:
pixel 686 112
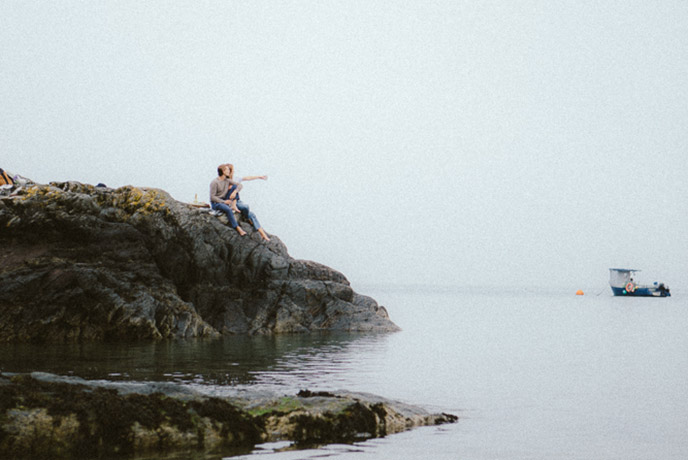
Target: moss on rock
pixel 44 418
pixel 60 420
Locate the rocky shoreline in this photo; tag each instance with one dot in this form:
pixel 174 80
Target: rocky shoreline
pixel 47 416
pixel 84 263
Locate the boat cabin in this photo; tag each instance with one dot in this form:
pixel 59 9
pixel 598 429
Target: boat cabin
pixel 623 283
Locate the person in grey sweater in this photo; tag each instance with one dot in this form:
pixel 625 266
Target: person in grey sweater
pixel 224 193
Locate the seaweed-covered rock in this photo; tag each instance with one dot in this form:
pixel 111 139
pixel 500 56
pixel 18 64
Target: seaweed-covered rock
pixel 80 262
pixel 45 419
pixel 46 416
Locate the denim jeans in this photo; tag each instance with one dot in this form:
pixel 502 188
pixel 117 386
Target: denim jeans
pixel 227 210
pixel 248 214
pixel 244 209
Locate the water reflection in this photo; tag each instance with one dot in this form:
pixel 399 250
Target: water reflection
pixel 293 360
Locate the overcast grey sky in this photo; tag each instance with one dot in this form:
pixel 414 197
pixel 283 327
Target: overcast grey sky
pixel 444 142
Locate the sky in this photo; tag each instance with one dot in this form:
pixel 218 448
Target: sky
pixel 463 143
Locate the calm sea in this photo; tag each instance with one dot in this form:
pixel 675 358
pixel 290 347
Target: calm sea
pixel 532 375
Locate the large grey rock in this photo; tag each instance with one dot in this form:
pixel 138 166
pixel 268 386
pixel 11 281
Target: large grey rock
pixel 80 262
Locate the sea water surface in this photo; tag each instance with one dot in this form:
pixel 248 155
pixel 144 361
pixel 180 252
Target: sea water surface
pixel 532 375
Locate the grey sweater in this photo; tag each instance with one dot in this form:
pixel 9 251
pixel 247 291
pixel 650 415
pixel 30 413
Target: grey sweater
pixel 219 187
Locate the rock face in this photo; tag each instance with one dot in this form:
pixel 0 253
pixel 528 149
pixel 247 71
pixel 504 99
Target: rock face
pixel 83 263
pixel 53 417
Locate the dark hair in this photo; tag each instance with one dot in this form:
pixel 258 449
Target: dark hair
pixel 220 168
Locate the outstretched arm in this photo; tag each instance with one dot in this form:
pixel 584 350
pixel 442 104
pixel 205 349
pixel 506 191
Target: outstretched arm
pixel 254 178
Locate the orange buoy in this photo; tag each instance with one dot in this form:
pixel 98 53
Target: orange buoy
pixel 579 292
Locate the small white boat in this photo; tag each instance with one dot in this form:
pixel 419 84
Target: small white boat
pixel 623 283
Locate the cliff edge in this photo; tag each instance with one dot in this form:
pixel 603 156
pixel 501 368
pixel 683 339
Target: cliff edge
pixel 85 263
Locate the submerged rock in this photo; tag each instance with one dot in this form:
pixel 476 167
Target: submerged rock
pixel 45 416
pixel 81 263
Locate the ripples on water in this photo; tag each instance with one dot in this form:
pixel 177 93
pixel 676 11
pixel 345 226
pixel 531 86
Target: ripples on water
pixel 216 367
pixel 532 375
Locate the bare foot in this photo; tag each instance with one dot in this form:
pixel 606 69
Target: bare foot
pixel 241 231
pixel 263 234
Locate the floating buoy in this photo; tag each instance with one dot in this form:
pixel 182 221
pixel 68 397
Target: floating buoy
pixel 579 292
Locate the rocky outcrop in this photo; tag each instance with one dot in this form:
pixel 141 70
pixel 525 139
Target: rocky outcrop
pixel 84 263
pixel 44 416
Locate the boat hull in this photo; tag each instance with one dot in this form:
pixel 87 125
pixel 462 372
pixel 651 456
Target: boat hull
pixel 641 292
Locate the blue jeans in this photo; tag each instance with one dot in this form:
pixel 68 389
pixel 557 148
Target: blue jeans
pixel 248 214
pixel 244 209
pixel 227 210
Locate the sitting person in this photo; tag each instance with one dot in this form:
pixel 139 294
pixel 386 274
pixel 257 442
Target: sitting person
pixel 239 205
pixel 221 199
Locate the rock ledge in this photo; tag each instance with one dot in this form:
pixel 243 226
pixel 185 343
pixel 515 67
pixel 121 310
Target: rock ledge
pixel 45 416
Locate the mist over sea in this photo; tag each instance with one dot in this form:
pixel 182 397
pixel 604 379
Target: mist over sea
pixel 531 374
